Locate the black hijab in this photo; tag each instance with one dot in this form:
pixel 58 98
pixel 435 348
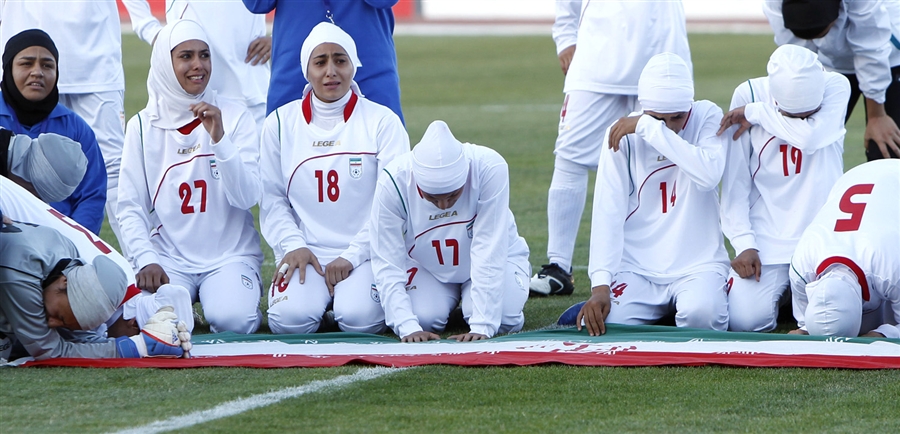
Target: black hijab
pixel 28 112
pixel 807 19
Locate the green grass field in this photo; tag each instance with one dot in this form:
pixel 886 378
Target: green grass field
pixel 502 92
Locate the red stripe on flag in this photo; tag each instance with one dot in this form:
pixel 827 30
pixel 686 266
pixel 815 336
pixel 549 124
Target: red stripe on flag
pixel 506 358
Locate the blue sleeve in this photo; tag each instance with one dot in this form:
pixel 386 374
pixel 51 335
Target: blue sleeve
pixel 260 6
pixel 86 203
pixel 380 4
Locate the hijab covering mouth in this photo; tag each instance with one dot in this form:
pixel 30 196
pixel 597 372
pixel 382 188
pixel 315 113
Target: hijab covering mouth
pixel 28 112
pixel 168 103
pixel 324 33
pixel 796 78
pixel 666 85
pixel 439 164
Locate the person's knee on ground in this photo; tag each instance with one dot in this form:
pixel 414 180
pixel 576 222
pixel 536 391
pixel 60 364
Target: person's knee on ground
pixel 708 314
pixel 432 320
pixel 511 323
pixel 244 321
pixel 747 311
pixel 283 320
pixel 701 302
pixel 758 317
pixel 359 316
pixel 515 294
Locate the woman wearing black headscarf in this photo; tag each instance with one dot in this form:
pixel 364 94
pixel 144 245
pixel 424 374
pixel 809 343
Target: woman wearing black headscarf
pixel 30 106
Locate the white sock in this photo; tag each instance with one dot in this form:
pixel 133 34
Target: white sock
pixel 565 204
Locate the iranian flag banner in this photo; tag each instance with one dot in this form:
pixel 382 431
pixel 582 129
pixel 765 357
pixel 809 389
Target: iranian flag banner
pixel 620 346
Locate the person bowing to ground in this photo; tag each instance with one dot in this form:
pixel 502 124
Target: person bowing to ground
pixel 445 236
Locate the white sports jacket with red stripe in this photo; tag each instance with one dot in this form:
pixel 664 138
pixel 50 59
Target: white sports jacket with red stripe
pixel 778 173
pixel 656 208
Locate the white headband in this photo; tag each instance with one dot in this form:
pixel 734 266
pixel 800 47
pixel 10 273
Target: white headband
pixel 666 85
pixel 439 163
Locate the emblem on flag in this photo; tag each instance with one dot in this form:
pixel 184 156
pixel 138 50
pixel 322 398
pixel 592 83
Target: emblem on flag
pixel 356 168
pixel 213 168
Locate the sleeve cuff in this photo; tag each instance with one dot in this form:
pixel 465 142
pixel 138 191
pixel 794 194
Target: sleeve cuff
pixel 878 97
pixel 353 258
pixel 888 331
pixel 293 244
pixel 751 112
pixel 644 123
pixel 563 45
pixel 743 242
pixel 599 278
pixel 407 328
pixel 482 330
pixel 145 259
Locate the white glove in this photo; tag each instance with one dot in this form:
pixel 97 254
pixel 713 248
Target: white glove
pixel 160 337
pixel 184 335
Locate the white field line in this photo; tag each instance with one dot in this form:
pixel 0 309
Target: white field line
pixel 239 406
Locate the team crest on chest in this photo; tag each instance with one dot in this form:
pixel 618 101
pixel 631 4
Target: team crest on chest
pixel 213 168
pixel 356 167
pixel 469 228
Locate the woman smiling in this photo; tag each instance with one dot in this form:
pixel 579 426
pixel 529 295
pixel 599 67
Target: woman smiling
pixel 192 176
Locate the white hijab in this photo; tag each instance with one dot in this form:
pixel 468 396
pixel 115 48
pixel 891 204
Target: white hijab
pixel 835 304
pixel 666 85
pixel 328 33
pixel 168 102
pixel 439 163
pixel 796 79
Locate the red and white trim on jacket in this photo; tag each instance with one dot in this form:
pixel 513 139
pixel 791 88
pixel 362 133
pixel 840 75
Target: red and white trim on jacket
pixel 860 275
pixel 348 109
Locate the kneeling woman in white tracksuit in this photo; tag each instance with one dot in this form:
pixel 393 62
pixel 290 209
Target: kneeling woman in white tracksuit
pixel 320 158
pixel 190 175
pixel 444 236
